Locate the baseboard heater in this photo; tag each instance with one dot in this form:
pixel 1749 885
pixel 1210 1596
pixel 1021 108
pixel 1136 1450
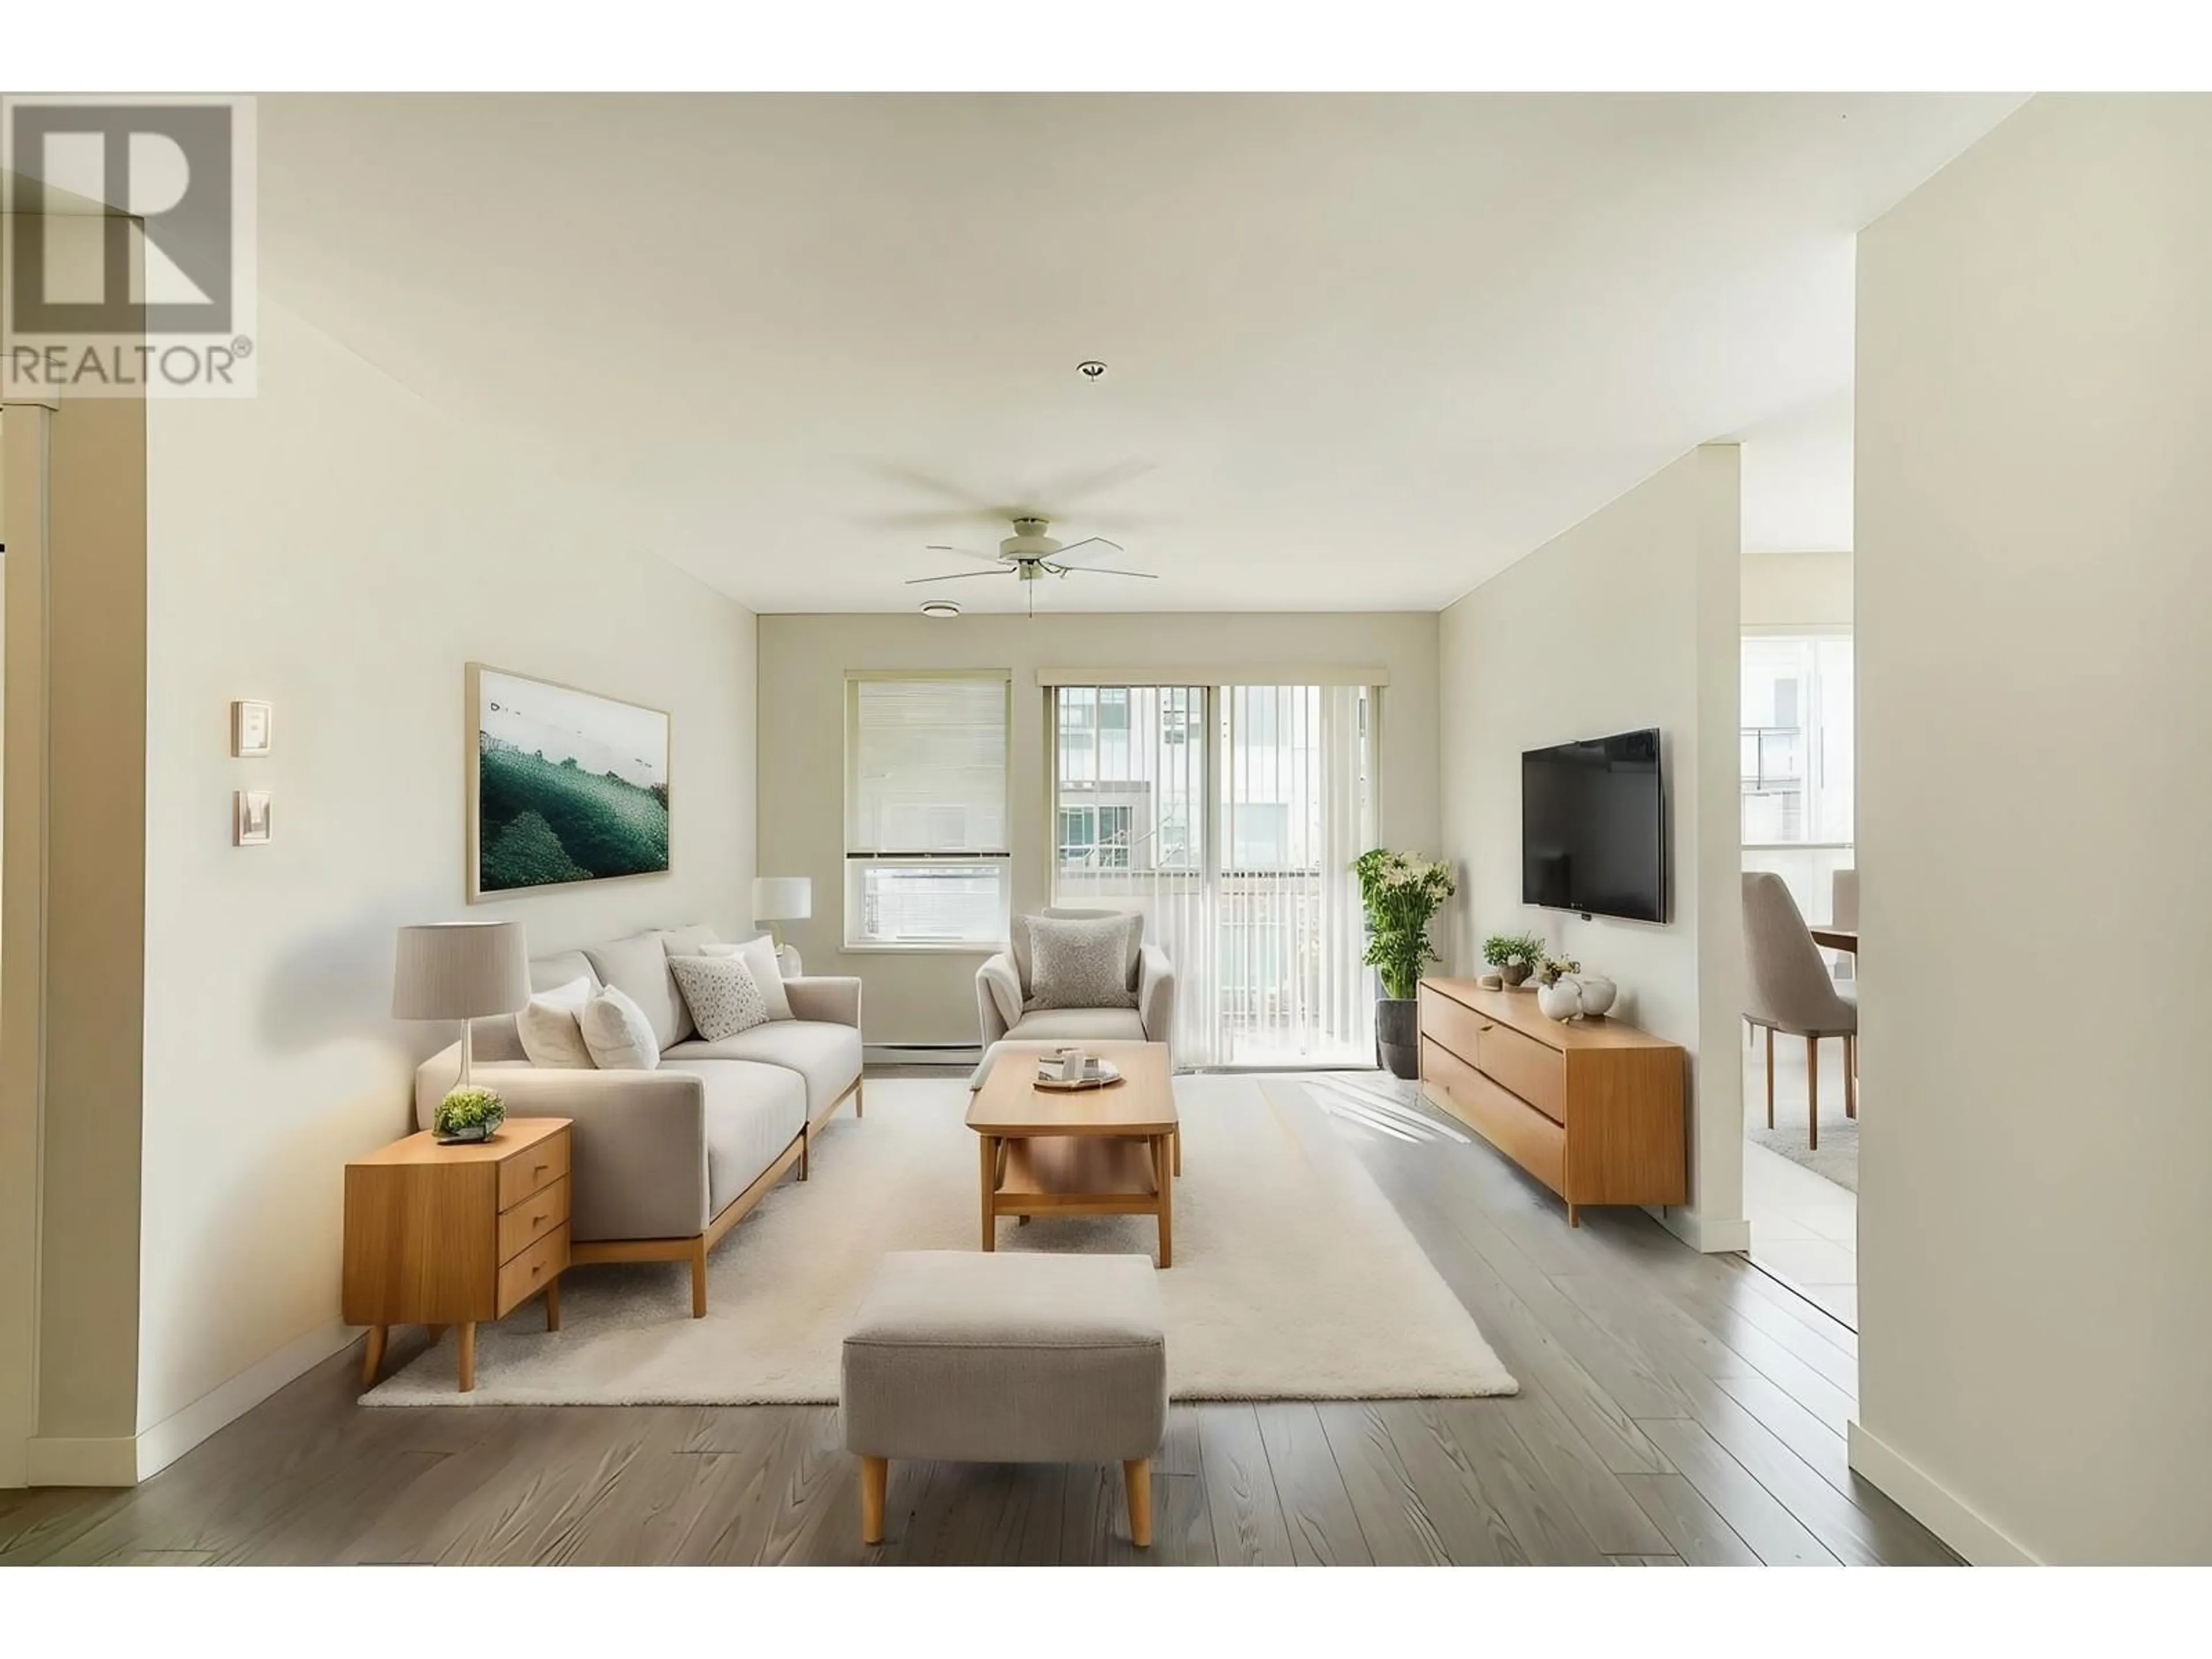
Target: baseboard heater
pixel 922 1054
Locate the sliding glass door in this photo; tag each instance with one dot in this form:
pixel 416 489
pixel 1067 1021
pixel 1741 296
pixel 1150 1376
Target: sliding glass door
pixel 1229 816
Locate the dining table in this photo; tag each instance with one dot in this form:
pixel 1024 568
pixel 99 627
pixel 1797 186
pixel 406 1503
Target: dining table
pixel 1837 938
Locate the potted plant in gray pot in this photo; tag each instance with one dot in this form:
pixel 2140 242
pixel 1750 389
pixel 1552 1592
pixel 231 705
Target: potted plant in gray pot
pixel 1401 894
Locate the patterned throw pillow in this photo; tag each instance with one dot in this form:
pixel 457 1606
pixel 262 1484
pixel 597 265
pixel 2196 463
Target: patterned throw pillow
pixel 724 997
pixel 618 1034
pixel 1079 963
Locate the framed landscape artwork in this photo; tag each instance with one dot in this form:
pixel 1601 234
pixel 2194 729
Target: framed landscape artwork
pixel 564 785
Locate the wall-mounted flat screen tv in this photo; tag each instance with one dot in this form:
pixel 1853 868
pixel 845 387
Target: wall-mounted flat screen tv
pixel 1594 827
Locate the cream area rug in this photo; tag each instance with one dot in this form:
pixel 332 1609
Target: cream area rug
pixel 1293 1276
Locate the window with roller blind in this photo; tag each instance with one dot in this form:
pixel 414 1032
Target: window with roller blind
pixel 927 854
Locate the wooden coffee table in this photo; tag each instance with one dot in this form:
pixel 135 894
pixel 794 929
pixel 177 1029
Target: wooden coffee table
pixel 1090 1151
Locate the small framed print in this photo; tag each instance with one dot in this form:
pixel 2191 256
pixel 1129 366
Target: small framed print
pixel 249 817
pixel 253 724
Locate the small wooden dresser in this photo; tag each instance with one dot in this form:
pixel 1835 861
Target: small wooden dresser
pixel 441 1235
pixel 1592 1109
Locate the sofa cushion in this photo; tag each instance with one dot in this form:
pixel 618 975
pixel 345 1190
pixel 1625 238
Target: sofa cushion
pixel 722 995
pixel 688 941
pixel 1078 1025
pixel 639 966
pixel 753 1112
pixel 550 973
pixel 827 1056
pixel 550 1028
pixel 616 1032
pixel 1018 938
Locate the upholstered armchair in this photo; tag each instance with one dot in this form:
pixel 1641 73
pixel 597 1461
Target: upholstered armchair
pixel 1003 994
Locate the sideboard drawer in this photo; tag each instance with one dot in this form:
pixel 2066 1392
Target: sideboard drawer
pixel 1533 1141
pixel 530 1272
pixel 531 1219
pixel 1451 1024
pixel 532 1169
pixel 1537 1074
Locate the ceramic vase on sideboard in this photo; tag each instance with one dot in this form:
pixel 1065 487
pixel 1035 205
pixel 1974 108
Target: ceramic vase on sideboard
pixel 1561 1000
pixel 1596 993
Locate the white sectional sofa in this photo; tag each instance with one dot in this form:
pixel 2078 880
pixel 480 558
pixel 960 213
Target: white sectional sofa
pixel 666 1161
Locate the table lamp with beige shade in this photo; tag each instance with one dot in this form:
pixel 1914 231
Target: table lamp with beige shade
pixel 463 970
pixel 782 898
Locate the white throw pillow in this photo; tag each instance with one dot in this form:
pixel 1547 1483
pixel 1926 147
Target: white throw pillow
pixel 548 1026
pixel 722 995
pixel 759 956
pixel 618 1034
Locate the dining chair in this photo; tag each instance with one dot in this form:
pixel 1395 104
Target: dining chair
pixel 1790 991
pixel 1844 912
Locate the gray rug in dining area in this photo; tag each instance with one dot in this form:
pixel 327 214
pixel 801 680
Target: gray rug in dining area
pixel 1837 1159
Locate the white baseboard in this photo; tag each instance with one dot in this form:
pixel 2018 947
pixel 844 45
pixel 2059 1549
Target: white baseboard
pixel 113 1462
pixel 1709 1235
pixel 1978 1541
pixel 174 1436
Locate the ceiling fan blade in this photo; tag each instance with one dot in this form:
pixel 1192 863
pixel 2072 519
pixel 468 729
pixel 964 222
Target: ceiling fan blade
pixel 1100 570
pixel 957 576
pixel 1098 541
pixel 963 553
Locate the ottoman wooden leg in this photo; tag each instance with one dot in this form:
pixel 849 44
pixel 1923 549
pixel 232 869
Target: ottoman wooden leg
pixel 1137 1475
pixel 875 1473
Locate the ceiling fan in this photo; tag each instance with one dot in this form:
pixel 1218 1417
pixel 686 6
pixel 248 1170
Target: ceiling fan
pixel 1029 555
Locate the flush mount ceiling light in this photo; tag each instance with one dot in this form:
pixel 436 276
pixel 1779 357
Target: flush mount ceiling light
pixel 939 608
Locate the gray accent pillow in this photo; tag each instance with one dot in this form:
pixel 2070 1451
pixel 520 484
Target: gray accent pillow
pixel 1079 964
pixel 724 997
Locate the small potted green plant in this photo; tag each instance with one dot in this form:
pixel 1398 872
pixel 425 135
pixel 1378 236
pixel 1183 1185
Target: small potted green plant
pixel 468 1115
pixel 1513 955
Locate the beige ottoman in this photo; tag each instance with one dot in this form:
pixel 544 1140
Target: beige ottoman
pixel 1007 1358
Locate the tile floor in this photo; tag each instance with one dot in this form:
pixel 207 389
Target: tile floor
pixel 1804 1230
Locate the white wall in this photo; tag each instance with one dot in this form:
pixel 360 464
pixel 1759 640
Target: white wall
pixel 1627 620
pixel 931 998
pixel 342 549
pixel 2035 720
pixel 1796 590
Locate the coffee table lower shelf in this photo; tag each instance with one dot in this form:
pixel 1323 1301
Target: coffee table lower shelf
pixel 1079 1174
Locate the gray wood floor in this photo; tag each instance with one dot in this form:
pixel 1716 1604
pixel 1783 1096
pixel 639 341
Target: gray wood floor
pixel 1674 1408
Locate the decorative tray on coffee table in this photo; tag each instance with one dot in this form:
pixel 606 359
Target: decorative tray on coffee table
pixel 1096 1074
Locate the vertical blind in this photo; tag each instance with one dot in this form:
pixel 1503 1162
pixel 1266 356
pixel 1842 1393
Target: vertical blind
pixel 1229 816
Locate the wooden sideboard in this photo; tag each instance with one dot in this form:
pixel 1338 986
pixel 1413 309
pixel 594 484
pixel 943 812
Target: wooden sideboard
pixel 1593 1110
